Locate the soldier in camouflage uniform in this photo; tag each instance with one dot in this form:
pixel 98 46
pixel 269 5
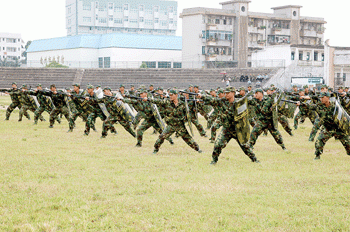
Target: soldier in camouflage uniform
pixel 176 116
pixel 148 116
pixel 220 107
pixel 95 110
pixel 325 110
pixel 44 104
pixel 194 117
pixel 264 118
pixel 15 98
pixel 228 131
pixel 27 103
pixel 111 104
pixel 202 109
pixel 214 114
pixel 59 103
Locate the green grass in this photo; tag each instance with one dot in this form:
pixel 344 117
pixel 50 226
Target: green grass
pixel 54 181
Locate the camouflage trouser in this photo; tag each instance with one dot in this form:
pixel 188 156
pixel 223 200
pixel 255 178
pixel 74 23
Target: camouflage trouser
pixel 199 126
pixel 315 128
pixel 181 131
pixel 144 126
pixel 137 119
pixel 40 110
pixel 224 138
pixel 108 123
pixel 285 124
pixel 75 115
pixel 325 135
pixel 55 112
pixel 24 110
pixel 299 115
pixel 13 106
pixel 211 120
pixel 203 113
pixel 252 122
pixel 260 127
pixel 90 122
pixel 216 125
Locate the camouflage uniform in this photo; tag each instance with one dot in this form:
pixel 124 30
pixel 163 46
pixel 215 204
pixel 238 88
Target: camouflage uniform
pixel 228 132
pixel 285 123
pixel 264 120
pixel 15 98
pixel 60 106
pixel 44 106
pixel 194 119
pixel 79 108
pixel 114 117
pixel 176 116
pixel 27 104
pixel 145 110
pixel 330 128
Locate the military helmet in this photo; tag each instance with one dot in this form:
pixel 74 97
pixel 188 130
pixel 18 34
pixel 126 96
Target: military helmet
pixel 325 94
pixel 230 89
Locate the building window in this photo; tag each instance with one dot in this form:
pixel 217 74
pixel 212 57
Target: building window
pixel 300 56
pixel 126 18
pixel 96 17
pixel 141 8
pixel 118 21
pixel 292 56
pixel 96 5
pixel 107 62
pixel 308 56
pixel 126 7
pixel 229 51
pixel 230 21
pixel 224 21
pixel 171 21
pixel 69 21
pixel 156 8
pixel 110 18
pixel 133 20
pixel 100 62
pixel 141 20
pixel 102 20
pixel 11 49
pixel 10 40
pixel 171 9
pixel 203 50
pixel 118 9
pixel 177 65
pixel 69 10
pixel 150 64
pixel 156 20
pixel 164 23
pixel 217 21
pixel 322 56
pixel 110 6
pixel 163 64
pixel 87 19
pixel 344 77
pixel 315 56
pixel 148 22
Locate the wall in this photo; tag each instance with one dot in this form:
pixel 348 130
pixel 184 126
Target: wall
pixel 191 41
pixel 277 52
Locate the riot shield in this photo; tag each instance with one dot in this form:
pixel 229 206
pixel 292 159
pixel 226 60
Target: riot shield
pixel 157 116
pixel 241 120
pixel 188 118
pixel 341 118
pixel 124 109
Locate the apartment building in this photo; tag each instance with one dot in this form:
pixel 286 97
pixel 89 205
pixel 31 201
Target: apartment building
pixel 11 47
pixel 154 17
pixel 232 34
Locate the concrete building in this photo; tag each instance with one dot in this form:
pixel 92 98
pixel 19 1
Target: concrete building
pixel 337 66
pixel 156 17
pixel 232 34
pixel 11 47
pixel 115 50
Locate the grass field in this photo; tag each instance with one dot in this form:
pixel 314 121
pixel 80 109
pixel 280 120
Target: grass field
pixel 54 181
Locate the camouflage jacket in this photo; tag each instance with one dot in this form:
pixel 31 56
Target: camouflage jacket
pixel 262 108
pixel 57 99
pixel 304 108
pixel 15 95
pixel 40 97
pixel 80 103
pixel 220 105
pixel 326 115
pixel 24 99
pixel 144 108
pixel 175 115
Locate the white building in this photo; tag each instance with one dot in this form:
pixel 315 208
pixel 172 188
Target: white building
pixel 11 47
pixel 115 50
pixel 230 35
pixel 157 17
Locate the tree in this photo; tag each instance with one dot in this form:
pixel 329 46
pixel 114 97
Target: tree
pixel 54 64
pixel 143 65
pixel 24 54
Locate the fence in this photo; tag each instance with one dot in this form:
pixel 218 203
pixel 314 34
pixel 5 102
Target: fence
pixel 163 64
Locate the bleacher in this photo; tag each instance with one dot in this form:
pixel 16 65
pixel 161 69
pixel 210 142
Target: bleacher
pixel 181 78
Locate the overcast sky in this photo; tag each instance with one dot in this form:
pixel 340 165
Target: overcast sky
pixel 41 19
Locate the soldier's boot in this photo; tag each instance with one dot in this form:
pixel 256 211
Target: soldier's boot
pixel 254 159
pixel 59 121
pixel 290 132
pixel 265 133
pixel 114 131
pixel 318 157
pixel 312 137
pixel 139 144
pixel 7 115
pixel 50 126
pixel 155 151
pixel 177 135
pixel 284 147
pixel 215 160
pixel 70 130
pixel 199 150
pixel 212 140
pixel 295 126
pixel 171 141
pixel 42 119
pixel 27 115
pixel 154 132
pixel 35 123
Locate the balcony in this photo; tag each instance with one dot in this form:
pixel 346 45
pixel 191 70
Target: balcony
pixel 310 63
pixel 219 43
pixel 260 44
pixel 216 57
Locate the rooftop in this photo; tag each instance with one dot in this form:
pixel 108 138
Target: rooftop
pixel 115 40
